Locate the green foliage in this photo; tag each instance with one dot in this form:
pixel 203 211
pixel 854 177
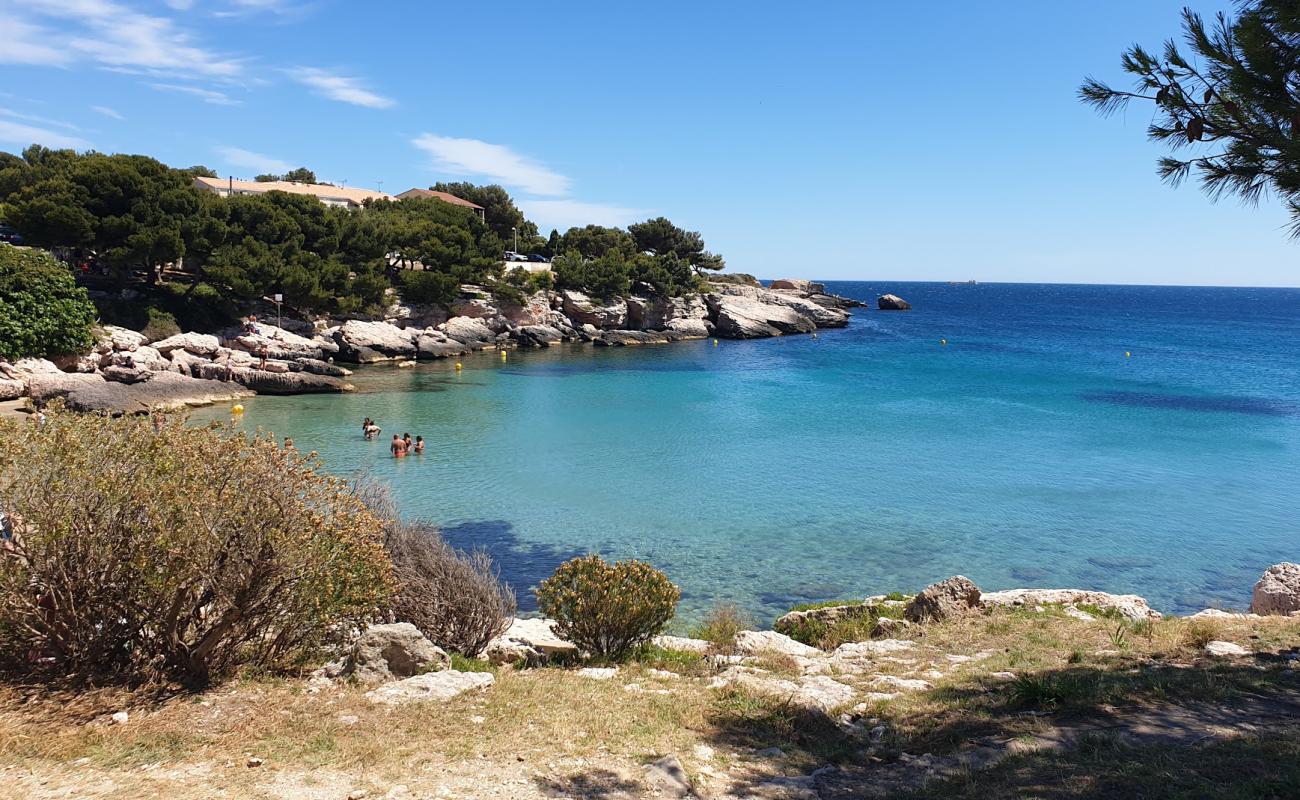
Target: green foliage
pixel 429 287
pixel 160 325
pixel 721 626
pixel 608 610
pixel 661 237
pixel 605 277
pixel 42 310
pixel 174 552
pixel 500 213
pixel 1232 101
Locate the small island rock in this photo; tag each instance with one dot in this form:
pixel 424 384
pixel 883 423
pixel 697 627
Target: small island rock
pixel 892 302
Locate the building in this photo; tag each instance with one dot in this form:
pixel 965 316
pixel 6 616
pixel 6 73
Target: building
pixel 444 197
pixel 329 195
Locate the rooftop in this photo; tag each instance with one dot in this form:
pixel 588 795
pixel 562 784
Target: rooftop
pixel 357 196
pixel 443 196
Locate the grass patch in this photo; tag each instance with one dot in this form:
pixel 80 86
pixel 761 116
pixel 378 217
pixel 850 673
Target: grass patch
pixel 462 663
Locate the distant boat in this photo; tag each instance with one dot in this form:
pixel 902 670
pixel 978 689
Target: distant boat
pixel 963 283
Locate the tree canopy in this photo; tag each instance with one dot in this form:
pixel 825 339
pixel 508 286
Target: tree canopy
pixel 42 310
pixel 299 175
pixel 503 217
pixel 1233 101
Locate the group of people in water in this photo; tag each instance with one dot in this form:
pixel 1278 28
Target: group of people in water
pixel 402 445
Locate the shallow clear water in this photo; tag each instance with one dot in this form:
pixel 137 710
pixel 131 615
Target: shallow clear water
pixel 1027 451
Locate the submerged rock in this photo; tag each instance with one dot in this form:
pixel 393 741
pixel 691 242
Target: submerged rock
pixel 1278 590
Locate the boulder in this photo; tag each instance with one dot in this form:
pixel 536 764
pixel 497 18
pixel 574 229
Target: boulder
pixel 318 367
pixel 739 317
pixel 798 285
pixel 625 338
pixel 756 642
pixel 1220 649
pixel 892 302
pixel 367 342
pixel 436 344
pixel 114 338
pixel 1128 605
pixel 469 332
pixel 390 652
pixel 184 362
pixel 29 367
pixel 431 686
pixel 667 778
pixel 949 598
pixel 812 692
pixel 477 308
pixel 162 390
pixel 1278 590
pixel 269 382
pixel 283 344
pixel 536 335
pixel 829 615
pixel 583 310
pixel 532 641
pixel 126 374
pixel 690 328
pixel 87 362
pixel 142 357
pixel 683 644
pixel 11 389
pixel 200 344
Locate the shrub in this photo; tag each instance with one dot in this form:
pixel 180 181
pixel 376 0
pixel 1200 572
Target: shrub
pixel 148 550
pixel 42 310
pixel 429 287
pixel 721 626
pixel 160 324
pixel 606 609
pixel 456 599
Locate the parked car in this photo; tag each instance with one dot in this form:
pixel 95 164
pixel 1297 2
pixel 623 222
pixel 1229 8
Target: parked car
pixel 538 258
pixel 9 235
pixel 511 255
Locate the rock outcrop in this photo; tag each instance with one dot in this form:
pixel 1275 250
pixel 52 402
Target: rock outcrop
pixel 1278 590
pixel 892 302
pixel 369 342
pixel 531 641
pixel 150 390
pixel 740 317
pixel 1129 605
pixel 946 599
pixel 386 653
pixel 583 310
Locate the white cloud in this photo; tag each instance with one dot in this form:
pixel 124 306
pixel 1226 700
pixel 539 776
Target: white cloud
pixel 339 87
pixel 471 157
pixel 21 134
pixel 9 112
pixel 206 95
pixel 108 112
pixel 247 159
pixel 565 214
pixel 108 33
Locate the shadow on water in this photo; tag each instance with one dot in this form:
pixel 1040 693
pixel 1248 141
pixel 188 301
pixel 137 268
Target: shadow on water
pixel 1211 403
pixel 523 565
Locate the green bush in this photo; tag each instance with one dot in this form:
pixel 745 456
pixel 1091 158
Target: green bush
pixel 42 310
pixel 434 288
pixel 174 552
pixel 721 627
pixel 608 610
pixel 160 324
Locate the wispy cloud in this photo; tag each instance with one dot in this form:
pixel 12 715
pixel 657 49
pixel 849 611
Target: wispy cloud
pixel 9 112
pixel 564 214
pixel 108 33
pixel 339 87
pixel 247 159
pixel 472 157
pixel 21 134
pixel 108 112
pixel 206 95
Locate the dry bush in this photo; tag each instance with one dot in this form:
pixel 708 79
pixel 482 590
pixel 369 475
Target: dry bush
pixel 608 610
pixel 721 626
pixel 455 598
pixel 149 550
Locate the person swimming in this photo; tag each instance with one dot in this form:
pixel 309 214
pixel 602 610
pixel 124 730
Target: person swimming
pixel 419 444
pixel 398 447
pixel 406 441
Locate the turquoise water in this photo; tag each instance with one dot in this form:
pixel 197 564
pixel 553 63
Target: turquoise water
pixel 1027 451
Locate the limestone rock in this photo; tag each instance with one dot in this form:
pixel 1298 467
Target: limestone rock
pixel 11 389
pixel 435 686
pixel 901 684
pixel 892 302
pixel 598 673
pixel 738 317
pixel 126 374
pixel 367 342
pixel 1221 649
pixel 943 600
pixel 756 642
pixel 29 367
pixel 690 328
pixel 199 344
pixel 163 390
pixel 389 652
pixel 84 362
pixel 532 641
pixel 436 344
pixel 682 644
pixel 1278 590
pixel 114 338
pixel 536 335
pixel 829 615
pixel 625 338
pixel 1129 605
pixel 469 332
pixel 666 778
pixel 584 310
pixel 798 285
pixel 318 367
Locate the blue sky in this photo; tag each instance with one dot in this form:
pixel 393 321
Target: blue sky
pixel 837 140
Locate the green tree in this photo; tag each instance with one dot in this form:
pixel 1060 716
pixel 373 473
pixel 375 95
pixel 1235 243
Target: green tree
pixel 42 310
pixel 500 213
pixel 300 175
pixel 595 241
pixel 661 237
pixel 606 277
pixel 1233 103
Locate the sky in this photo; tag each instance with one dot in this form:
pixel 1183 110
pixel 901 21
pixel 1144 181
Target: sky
pixel 833 140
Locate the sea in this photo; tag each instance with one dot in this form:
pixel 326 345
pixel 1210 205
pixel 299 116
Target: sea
pixel 1131 439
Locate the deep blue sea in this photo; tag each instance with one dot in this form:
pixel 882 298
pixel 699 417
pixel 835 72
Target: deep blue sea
pixel 1030 450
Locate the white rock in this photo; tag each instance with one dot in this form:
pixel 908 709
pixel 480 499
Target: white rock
pixel 682 644
pixel 430 686
pixel 663 674
pixel 1129 605
pixel 1003 676
pixel 1084 616
pixel 902 684
pixel 120 718
pixel 1215 613
pixel 598 673
pixel 199 344
pixel 756 642
pixel 1225 649
pixel 1278 590
pixel 533 641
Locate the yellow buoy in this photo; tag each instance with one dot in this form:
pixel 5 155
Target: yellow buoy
pixel 943 341
pixel 458 365
pixel 1127 354
pixel 238 409
pixel 503 355
pixel 715 342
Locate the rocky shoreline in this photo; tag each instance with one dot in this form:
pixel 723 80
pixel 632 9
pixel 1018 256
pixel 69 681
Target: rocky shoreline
pixel 126 373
